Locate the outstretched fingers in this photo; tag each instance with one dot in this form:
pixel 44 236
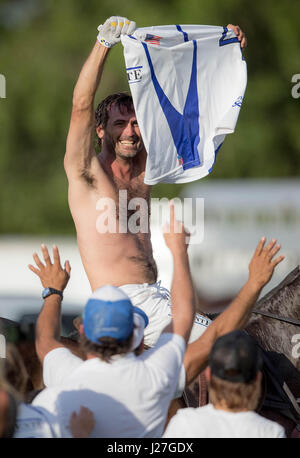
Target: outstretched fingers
pixel 38 261
pixel 68 267
pixel 274 250
pixel 269 248
pixel 46 255
pixel 269 251
pixel 172 215
pixel 277 260
pixel 34 269
pixel 56 257
pixel 260 246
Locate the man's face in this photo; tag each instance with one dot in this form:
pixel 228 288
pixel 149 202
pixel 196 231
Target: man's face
pixel 122 134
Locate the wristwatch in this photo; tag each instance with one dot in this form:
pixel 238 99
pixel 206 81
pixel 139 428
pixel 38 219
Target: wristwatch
pixel 48 291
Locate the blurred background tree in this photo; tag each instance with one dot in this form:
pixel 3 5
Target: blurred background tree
pixel 43 47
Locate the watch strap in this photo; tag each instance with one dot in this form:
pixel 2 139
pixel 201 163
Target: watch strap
pixel 49 291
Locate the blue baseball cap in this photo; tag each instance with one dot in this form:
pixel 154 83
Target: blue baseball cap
pixel 110 313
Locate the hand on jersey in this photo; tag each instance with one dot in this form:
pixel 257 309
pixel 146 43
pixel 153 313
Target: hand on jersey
pixel 110 32
pixel 175 234
pixel 83 423
pixel 51 275
pixel 239 33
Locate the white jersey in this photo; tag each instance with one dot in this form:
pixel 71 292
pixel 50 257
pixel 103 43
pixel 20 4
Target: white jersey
pixel 187 84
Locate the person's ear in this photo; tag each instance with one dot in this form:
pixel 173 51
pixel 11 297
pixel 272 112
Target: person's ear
pixel 100 132
pixel 207 373
pixel 77 322
pixel 81 329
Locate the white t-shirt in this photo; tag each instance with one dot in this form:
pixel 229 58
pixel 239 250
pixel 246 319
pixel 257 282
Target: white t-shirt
pixel 129 396
pixel 208 422
pixel 187 84
pixel 34 422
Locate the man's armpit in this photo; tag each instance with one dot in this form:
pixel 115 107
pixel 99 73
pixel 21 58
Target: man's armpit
pixel 88 177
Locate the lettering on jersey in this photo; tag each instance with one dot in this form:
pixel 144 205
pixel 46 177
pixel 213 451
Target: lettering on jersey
pixel 134 74
pixel 199 319
pixel 238 102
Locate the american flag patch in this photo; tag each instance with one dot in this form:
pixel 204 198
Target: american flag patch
pixel 153 39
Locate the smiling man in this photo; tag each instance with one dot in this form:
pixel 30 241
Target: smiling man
pixel 122 258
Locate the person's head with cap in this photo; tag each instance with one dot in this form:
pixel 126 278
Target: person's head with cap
pixel 111 325
pixel 234 372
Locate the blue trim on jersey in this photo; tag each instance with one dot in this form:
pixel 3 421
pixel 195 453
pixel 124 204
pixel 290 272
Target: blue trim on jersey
pixel 186 37
pixel 133 68
pixel 184 127
pixel 191 112
pixel 223 42
pixel 216 152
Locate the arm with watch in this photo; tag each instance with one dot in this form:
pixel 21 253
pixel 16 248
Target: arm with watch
pixel 54 279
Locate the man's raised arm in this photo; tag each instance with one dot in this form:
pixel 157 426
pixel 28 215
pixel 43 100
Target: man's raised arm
pixel 261 269
pixel 80 158
pixel 182 291
pixel 54 279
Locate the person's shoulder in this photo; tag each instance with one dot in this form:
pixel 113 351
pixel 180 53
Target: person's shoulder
pixel 270 427
pixel 58 353
pixel 188 422
pixel 58 364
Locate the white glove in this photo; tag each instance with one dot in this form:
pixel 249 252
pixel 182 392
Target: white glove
pixel 110 32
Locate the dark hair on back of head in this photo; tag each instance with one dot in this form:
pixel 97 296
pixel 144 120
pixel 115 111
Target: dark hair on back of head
pixel 106 348
pixel 121 99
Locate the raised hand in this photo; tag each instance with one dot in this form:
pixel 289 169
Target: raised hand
pixel 110 32
pixel 175 234
pixel 262 264
pixel 51 275
pixel 240 34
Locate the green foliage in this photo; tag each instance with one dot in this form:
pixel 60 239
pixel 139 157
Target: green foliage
pixel 42 50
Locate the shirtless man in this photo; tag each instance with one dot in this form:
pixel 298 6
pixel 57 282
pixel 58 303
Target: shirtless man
pixel 119 259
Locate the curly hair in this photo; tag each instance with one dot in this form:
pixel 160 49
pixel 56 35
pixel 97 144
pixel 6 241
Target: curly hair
pixel 121 99
pixel 106 348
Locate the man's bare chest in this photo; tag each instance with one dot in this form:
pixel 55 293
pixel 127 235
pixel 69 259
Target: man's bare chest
pixel 135 187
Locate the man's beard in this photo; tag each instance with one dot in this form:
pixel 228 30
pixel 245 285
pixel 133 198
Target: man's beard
pixel 124 153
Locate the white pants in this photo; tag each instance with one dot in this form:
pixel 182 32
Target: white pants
pixel 155 301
